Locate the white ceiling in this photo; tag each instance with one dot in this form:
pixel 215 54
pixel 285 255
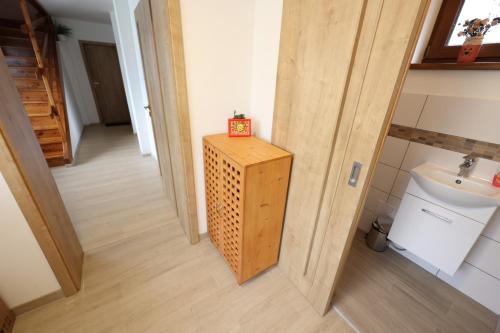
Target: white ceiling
pixel 87 10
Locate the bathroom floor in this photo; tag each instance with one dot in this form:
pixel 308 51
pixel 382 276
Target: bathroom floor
pixel 385 292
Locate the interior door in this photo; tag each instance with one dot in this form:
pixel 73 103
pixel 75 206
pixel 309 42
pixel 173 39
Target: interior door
pixel 153 84
pixel 103 68
pixel 335 97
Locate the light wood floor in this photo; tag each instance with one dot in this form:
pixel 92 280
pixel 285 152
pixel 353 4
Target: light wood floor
pixel 149 278
pixel 385 292
pixel 141 274
pixel 112 192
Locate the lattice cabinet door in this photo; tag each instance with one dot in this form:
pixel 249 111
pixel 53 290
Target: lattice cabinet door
pixel 232 176
pixel 246 182
pixel 212 192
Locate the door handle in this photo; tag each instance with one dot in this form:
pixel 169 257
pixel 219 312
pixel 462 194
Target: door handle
pixel 439 217
pixel 95 83
pixel 148 108
pixel 355 171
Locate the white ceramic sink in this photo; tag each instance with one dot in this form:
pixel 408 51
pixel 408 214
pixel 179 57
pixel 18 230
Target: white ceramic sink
pixel 446 186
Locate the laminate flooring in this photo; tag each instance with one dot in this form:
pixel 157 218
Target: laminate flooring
pixel 386 293
pixel 112 192
pixel 140 273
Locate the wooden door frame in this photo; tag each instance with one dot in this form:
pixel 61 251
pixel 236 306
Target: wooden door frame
pixel 29 178
pixel 147 45
pixel 313 257
pixel 167 28
pixel 82 44
pixel 7 318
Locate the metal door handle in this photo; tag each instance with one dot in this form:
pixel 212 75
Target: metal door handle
pixel 442 218
pixel 96 83
pixel 355 171
pixel 148 108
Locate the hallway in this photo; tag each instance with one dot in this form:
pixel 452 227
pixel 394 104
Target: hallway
pixel 140 273
pixel 112 192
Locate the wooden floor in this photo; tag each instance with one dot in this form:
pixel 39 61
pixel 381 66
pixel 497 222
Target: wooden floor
pixel 112 192
pixel 141 274
pixel 149 278
pixel 385 292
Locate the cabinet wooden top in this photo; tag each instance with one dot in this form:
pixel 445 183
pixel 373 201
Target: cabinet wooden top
pixel 246 151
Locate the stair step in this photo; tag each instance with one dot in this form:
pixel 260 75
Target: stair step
pixel 33 96
pixel 50 140
pixel 20 61
pixel 13 29
pixel 52 147
pixel 29 72
pixel 37 109
pixel 54 154
pixel 24 83
pixel 43 123
pixel 47 133
pixel 18 51
pixel 15 41
pixel 55 160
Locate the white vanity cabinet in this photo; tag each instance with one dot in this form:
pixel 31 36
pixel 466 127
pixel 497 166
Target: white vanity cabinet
pixel 438 233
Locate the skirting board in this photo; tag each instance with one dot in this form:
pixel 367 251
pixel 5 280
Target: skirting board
pixel 36 303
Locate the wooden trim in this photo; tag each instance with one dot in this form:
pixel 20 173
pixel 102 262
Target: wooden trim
pixel 26 172
pixel 167 26
pixel 455 66
pixel 7 318
pixel 36 303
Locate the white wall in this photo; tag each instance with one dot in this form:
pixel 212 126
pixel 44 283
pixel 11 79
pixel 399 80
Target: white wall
pixel 25 274
pixel 231 54
pixel 72 60
pixel 266 40
pixel 76 77
pixel 231 51
pixel 86 30
pixel 479 276
pixel 129 54
pixel 74 104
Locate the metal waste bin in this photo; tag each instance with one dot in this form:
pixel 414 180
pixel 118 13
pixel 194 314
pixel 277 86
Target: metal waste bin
pixel 376 238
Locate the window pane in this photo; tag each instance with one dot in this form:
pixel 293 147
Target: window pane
pixel 477 9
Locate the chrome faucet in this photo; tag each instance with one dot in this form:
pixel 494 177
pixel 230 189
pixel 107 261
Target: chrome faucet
pixel 466 167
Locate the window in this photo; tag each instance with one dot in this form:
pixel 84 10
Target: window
pixel 444 43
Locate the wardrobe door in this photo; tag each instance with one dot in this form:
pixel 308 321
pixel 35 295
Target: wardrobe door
pixel 212 190
pixel 232 180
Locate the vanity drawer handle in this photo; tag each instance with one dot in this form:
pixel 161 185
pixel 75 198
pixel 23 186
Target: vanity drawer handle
pixel 442 218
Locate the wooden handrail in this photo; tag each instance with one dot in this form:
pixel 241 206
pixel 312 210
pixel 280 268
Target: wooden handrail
pixel 43 70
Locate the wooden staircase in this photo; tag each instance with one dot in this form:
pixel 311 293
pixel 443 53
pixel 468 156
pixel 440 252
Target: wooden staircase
pixel 29 47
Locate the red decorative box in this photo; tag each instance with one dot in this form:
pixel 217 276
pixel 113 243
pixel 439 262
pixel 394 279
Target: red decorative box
pixel 237 127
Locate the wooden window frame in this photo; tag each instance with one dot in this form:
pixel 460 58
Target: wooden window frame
pixel 438 52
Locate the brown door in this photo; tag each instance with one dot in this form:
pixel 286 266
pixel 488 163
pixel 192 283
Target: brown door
pixel 153 85
pixel 105 77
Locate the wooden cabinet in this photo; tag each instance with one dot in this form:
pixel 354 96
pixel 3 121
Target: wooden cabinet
pixel 246 183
